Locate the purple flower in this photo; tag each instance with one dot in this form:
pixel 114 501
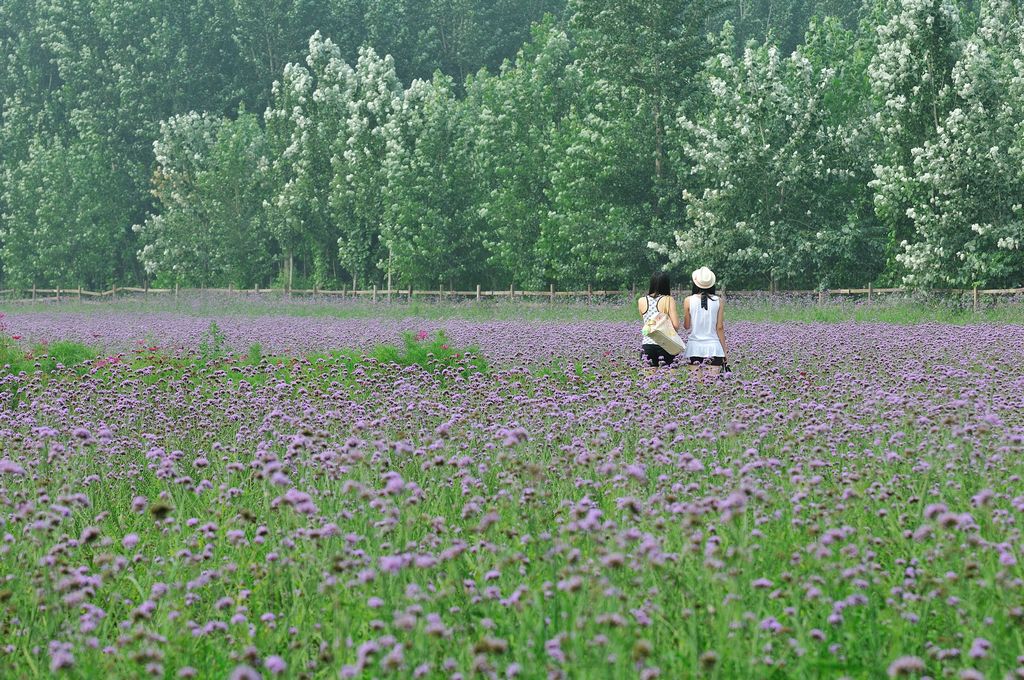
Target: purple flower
pixel 905 665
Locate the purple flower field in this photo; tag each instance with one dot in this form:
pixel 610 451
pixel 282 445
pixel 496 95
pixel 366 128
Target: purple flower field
pixel 848 503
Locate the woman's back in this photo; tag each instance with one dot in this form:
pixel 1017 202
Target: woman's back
pixel 703 340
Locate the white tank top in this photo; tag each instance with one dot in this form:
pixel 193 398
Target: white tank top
pixel 703 339
pixel 652 309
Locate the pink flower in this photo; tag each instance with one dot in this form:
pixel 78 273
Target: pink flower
pixel 422 335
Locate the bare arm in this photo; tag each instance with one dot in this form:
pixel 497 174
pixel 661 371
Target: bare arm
pixel 641 305
pixel 673 315
pixel 687 322
pixel 720 327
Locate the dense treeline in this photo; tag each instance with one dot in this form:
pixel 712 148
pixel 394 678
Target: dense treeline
pixel 803 142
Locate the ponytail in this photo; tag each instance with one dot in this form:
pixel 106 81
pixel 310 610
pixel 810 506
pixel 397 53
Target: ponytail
pixel 704 293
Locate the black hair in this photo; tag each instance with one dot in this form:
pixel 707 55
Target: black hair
pixel 660 284
pixel 704 294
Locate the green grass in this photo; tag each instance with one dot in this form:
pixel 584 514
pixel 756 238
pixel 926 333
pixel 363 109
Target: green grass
pixel 45 357
pixel 913 309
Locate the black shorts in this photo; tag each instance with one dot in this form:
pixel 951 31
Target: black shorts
pixel 656 355
pixel 708 361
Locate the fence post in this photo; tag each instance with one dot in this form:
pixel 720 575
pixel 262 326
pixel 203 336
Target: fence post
pixel 33 292
pixel 79 293
pixel 256 288
pixel 552 293
pixel 478 292
pixel 821 297
pixel 58 294
pixel 113 292
pixel 375 293
pixel 440 292
pixel 590 294
pixel 511 291
pixel 410 292
pixel 175 291
pixel 975 299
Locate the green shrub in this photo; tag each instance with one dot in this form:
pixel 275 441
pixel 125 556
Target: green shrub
pixel 255 353
pixel 432 354
pixel 213 346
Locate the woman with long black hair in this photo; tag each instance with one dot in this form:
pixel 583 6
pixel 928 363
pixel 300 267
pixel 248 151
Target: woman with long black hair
pixel 704 317
pixel 658 299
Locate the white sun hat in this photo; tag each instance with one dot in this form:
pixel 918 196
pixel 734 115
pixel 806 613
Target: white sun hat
pixel 703 278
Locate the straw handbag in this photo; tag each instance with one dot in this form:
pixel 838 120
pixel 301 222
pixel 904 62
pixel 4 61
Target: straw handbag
pixel 659 329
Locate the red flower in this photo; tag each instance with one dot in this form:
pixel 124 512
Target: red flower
pixel 16 337
pixel 422 335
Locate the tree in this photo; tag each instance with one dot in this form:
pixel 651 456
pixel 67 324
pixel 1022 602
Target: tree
pixel 514 116
pixel 651 49
pixel 210 226
pixel 778 166
pixel 304 124
pixel 965 186
pixel 66 216
pixel 357 188
pixel 430 227
pixel 601 193
pixel 917 44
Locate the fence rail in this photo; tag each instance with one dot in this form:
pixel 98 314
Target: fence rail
pixel 408 294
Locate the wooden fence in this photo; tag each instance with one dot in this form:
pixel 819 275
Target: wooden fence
pixel 380 294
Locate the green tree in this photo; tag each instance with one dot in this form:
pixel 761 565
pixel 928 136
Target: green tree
pixel 430 228
pixel 965 186
pixel 304 124
pixel 917 44
pixel 66 218
pixel 650 49
pixel 514 116
pixel 358 177
pixel 779 163
pixel 210 225
pixel 601 193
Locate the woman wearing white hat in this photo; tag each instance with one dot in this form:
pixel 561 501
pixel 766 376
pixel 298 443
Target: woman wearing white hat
pixel 703 317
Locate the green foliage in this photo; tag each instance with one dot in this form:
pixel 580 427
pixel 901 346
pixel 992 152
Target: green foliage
pixel 213 345
pixel 779 160
pixel 255 355
pixel 67 213
pixel 45 357
pixel 435 354
pixel 210 227
pixel 514 119
pixel 819 143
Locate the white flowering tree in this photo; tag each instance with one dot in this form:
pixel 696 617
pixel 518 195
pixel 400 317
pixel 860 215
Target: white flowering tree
pixel 775 166
pixel 916 44
pixel 429 226
pixel 304 123
pixel 209 226
pixel 359 179
pixel 965 187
